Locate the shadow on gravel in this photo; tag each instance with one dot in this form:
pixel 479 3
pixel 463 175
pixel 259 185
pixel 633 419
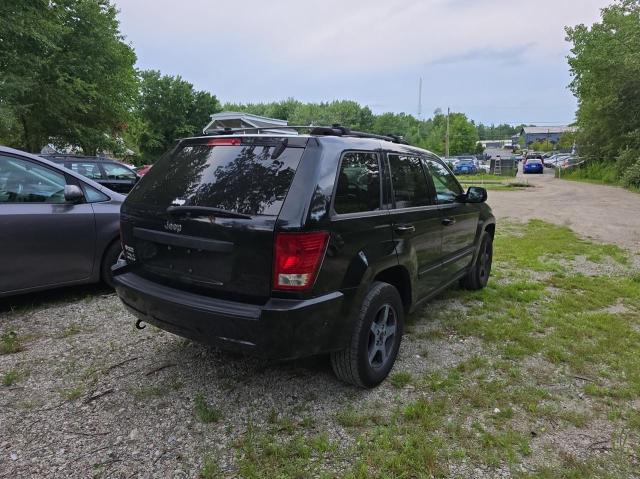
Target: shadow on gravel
pixel 52 296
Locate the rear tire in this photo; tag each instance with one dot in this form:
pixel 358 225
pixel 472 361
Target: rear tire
pixel 478 275
pixel 375 340
pixel 109 258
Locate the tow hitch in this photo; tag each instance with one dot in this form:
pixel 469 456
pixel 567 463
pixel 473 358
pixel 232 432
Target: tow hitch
pixel 140 324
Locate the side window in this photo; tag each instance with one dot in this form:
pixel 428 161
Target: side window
pixel 92 195
pixel 88 170
pixel 446 185
pixel 409 182
pixel 358 186
pixel 23 181
pixel 118 172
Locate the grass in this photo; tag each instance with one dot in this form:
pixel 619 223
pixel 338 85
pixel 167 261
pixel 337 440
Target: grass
pixel 73 393
pixel 555 364
pixel 204 412
pixel 10 378
pixel 493 183
pixel 71 330
pixel 152 391
pixel 10 343
pixel 401 379
pixel 210 468
pixel 600 173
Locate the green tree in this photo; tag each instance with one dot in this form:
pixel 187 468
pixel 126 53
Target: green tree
pixel 567 140
pixel 463 134
pixel 542 145
pixel 67 75
pixel 169 108
pixel 605 64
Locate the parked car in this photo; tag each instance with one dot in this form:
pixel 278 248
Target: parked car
pixel 143 170
pixel 570 162
pixel 531 155
pixel 554 160
pixel 466 167
pixel 114 175
pixel 57 227
pixel 484 167
pixel 533 165
pixel 286 246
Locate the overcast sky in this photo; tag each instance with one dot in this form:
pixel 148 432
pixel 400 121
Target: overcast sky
pixel 496 60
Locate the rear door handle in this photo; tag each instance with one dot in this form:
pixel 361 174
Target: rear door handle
pixel 404 229
pixel 449 221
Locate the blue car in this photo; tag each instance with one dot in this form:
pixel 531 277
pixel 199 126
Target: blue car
pixel 465 167
pixel 533 165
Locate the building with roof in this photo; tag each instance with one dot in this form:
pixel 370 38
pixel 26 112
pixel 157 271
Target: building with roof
pixel 234 119
pixel 533 134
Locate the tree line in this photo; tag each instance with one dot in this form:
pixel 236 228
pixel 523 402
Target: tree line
pixel 68 78
pixel 605 64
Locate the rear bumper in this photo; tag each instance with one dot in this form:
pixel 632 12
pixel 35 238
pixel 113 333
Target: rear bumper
pixel 279 329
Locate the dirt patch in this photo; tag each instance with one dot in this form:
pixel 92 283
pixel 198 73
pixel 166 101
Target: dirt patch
pixel 606 213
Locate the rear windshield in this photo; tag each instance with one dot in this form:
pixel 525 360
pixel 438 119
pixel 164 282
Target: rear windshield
pixel 240 178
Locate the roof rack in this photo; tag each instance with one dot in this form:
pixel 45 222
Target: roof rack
pixel 333 130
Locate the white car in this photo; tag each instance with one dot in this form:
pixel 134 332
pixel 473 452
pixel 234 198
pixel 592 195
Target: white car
pixel 483 167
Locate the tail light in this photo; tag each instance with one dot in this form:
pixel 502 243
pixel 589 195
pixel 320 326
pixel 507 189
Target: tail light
pixel 224 142
pixel 297 257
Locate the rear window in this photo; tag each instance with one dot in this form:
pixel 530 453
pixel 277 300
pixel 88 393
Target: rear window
pixel 246 178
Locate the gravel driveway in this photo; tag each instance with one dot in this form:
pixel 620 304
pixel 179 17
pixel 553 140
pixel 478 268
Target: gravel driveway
pixel 605 213
pixel 95 397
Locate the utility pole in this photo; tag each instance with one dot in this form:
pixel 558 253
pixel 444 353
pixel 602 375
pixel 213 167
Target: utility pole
pixel 420 99
pixel 446 138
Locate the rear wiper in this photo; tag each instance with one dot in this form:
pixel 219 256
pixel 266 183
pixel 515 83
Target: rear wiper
pixel 194 211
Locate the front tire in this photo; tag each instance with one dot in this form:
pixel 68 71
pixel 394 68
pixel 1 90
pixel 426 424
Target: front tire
pixel 375 340
pixel 478 276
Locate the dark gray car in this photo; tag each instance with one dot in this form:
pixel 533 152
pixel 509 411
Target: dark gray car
pixel 57 227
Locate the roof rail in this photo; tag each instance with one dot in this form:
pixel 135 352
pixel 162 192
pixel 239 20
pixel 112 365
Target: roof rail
pixel 333 130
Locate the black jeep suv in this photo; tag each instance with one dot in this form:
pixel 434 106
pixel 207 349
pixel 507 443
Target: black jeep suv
pixel 288 245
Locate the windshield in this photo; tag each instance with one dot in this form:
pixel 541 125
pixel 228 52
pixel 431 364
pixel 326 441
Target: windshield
pixel 240 178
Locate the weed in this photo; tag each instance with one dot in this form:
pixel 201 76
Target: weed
pixel 10 378
pixel 204 412
pixel 401 379
pixel 210 468
pixel 10 343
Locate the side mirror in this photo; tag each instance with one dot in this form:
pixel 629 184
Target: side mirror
pixel 73 194
pixel 475 194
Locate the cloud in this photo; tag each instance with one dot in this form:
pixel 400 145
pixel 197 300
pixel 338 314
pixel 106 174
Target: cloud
pixel 507 56
pixel 368 50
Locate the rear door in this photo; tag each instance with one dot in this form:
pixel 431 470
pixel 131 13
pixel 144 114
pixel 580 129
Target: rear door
pixel 459 220
pixel 202 219
pixel 45 241
pixel 417 227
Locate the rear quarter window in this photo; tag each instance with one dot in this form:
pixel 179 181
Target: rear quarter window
pixel 358 187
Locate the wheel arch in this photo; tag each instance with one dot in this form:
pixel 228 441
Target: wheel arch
pixel 398 277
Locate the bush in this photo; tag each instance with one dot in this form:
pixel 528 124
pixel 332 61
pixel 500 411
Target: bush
pixel 626 160
pixel 595 171
pixel 631 177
